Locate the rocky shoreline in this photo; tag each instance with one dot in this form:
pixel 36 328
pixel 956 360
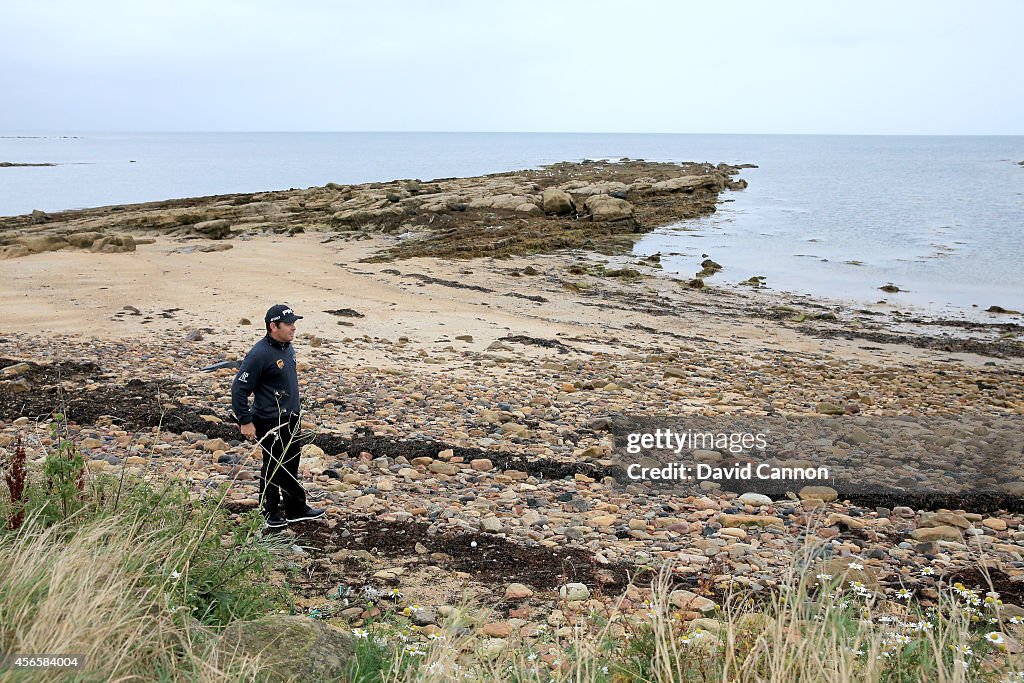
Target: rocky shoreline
pixel 598 205
pixel 459 411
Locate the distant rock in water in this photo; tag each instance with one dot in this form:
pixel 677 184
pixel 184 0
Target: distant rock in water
pixel 1000 309
pixel 889 288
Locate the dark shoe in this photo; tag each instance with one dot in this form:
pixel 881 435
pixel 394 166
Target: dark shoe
pixel 274 520
pixel 310 513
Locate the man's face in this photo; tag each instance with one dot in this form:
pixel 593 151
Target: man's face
pixel 282 332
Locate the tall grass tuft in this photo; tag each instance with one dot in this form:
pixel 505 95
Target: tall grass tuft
pixel 138 589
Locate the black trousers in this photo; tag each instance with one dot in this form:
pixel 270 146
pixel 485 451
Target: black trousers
pixel 279 476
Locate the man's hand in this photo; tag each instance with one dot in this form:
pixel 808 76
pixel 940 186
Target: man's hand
pixel 248 431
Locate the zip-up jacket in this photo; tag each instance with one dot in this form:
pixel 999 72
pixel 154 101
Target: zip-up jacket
pixel 268 371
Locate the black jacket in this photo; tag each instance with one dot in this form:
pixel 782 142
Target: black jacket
pixel 268 371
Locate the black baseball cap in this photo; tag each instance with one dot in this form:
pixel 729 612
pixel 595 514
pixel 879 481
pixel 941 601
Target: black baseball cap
pixel 281 314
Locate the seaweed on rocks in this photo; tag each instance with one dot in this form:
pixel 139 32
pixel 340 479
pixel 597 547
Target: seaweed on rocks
pixel 448 283
pixel 535 298
pixel 982 502
pixel 52 373
pixel 378 446
pixel 534 341
pixel 488 558
pixel 994 349
pixel 135 406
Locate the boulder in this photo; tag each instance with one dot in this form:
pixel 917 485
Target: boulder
pixel 602 207
pixel 290 648
pixel 43 243
pixel 557 202
pixel 113 244
pixel 38 217
pixel 686 183
pixel 608 188
pixel 259 209
pixel 216 229
pixel 13 251
pixel 530 209
pixel 502 202
pixel 83 240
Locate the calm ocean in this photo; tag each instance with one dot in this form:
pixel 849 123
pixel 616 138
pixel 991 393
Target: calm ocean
pixel 836 216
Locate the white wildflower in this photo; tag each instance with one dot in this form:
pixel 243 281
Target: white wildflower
pixel 995 637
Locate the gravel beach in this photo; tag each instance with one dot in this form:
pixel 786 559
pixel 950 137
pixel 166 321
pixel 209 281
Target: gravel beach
pixel 461 412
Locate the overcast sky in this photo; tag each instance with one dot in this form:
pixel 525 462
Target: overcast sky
pixel 894 67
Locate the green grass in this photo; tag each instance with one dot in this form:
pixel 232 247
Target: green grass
pixel 135 577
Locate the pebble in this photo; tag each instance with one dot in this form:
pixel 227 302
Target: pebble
pixel 994 523
pixel 518 591
pixel 822 493
pixel 755 499
pixel 574 592
pixel 936 533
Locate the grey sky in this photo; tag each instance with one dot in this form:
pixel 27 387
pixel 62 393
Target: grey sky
pixel 936 67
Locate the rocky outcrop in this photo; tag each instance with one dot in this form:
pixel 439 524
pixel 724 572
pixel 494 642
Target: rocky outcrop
pixel 13 251
pixel 583 189
pixel 508 202
pixel 36 245
pixel 687 183
pixel 216 229
pixel 594 205
pixel 113 244
pixel 83 240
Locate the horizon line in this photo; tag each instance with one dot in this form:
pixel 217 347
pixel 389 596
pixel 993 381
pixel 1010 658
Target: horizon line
pixel 13 133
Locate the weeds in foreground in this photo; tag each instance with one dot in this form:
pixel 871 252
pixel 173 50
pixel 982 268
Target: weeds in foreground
pixel 818 627
pixel 139 590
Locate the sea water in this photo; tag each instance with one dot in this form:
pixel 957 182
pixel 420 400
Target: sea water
pixel 942 218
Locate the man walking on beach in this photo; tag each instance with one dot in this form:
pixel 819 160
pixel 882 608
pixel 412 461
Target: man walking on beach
pixel 268 371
